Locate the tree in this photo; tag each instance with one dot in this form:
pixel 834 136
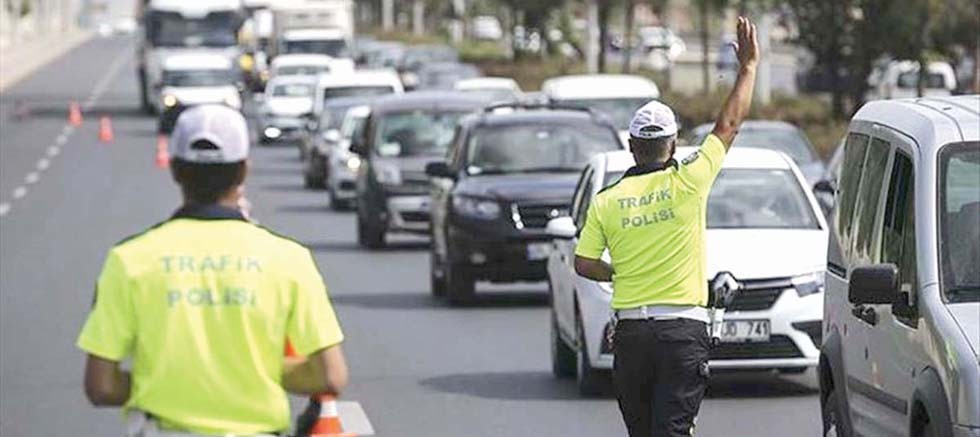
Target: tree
pixel 707 9
pixel 956 34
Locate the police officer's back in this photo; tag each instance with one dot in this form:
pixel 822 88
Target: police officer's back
pixel 653 223
pixel 204 302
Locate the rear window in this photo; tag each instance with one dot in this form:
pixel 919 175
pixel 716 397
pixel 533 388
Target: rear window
pixel 356 91
pixel 537 148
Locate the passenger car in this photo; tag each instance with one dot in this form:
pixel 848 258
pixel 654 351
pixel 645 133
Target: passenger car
pixel 900 80
pixel 763 226
pixel 444 75
pixel 774 135
pixel 286 108
pixel 900 355
pixel 402 135
pixel 193 79
pixel 362 83
pixel 308 65
pixel 342 165
pixel 502 89
pixel 413 58
pixel 617 96
pixel 505 176
pixel 326 136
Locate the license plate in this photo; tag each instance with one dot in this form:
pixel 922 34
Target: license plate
pixel 745 331
pixel 538 251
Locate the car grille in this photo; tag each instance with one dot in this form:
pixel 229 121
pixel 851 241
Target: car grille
pixel 778 346
pixel 415 217
pixel 538 215
pixel 759 295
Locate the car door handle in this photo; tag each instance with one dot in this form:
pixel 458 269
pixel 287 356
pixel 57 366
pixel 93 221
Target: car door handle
pixel 866 314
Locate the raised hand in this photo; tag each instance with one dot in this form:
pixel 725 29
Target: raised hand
pixel 746 45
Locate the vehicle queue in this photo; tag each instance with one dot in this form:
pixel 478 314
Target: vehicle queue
pixel 500 182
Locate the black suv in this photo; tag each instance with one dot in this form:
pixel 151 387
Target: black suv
pixel 403 134
pixel 507 174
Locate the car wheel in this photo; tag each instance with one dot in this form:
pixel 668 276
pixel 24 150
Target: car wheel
pixel 831 412
pixel 590 381
pixel 371 237
pixel 562 356
pixel 460 286
pixel 437 275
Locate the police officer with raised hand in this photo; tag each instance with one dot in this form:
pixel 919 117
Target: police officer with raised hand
pixel 204 302
pixel 652 222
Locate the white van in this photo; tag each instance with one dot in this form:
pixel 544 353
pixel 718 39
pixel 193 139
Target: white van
pixel 198 78
pixel 902 301
pixel 361 83
pixel 900 80
pixel 618 96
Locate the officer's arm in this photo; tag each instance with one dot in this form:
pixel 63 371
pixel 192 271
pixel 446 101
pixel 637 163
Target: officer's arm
pixel 737 105
pixel 106 385
pixel 594 269
pixel 323 372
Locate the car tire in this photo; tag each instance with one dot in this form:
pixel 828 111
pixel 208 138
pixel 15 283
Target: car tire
pixel 830 409
pixel 460 286
pixel 437 275
pixel 562 356
pixel 590 381
pixel 371 237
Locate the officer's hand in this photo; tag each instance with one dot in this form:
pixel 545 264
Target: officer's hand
pixel 746 46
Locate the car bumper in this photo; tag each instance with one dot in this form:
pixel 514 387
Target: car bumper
pixel 280 130
pixel 342 180
pixel 408 213
pixel 498 259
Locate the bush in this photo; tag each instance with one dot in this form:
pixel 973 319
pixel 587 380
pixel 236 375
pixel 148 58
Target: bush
pixel 482 52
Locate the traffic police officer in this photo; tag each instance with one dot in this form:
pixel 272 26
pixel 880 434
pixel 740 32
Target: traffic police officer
pixel 653 223
pixel 204 302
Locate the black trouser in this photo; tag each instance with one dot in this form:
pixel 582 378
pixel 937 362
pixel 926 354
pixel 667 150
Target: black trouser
pixel 660 375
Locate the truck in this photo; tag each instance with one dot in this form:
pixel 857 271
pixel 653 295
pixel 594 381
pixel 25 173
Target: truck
pixel 323 27
pixel 170 27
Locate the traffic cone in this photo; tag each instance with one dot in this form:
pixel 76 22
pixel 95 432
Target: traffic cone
pixel 105 130
pixel 163 155
pixel 328 422
pixel 74 114
pixel 290 350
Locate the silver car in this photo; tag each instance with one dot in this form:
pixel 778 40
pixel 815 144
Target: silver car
pixel 902 302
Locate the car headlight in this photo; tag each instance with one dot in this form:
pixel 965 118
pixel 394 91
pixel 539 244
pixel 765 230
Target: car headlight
pixel 169 100
pixel 808 284
pixel 388 175
pixel 483 209
pixel 353 163
pixel 272 132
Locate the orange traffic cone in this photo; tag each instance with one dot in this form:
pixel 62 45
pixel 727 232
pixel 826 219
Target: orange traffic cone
pixel 105 130
pixel 290 350
pixel 74 114
pixel 163 155
pixel 328 424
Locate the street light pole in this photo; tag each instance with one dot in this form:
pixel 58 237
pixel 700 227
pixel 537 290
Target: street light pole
pixel 592 36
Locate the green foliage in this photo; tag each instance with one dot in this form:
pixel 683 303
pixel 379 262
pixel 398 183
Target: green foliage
pixel 482 52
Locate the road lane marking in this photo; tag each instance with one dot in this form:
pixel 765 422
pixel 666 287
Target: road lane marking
pixel 4 209
pixel 54 151
pixel 61 140
pixel 43 164
pixel 20 192
pixel 103 85
pixel 32 178
pixel 67 130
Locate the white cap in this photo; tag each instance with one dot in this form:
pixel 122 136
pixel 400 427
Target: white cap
pixel 653 120
pixel 219 125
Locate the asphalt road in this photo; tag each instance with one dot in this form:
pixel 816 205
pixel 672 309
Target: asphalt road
pixel 419 367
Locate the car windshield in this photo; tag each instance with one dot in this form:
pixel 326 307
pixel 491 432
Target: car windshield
pixel 532 148
pixel 754 199
pixel 619 111
pixel 352 125
pixel 302 70
pixel 292 90
pixel 788 141
pixel 959 221
pixel 492 94
pixel 333 116
pixel 416 133
pixel 168 29
pixel 910 80
pixel 356 91
pixel 336 48
pixel 198 78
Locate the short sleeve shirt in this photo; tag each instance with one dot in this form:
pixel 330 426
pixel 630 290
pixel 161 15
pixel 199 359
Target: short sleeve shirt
pixel 653 222
pixel 203 305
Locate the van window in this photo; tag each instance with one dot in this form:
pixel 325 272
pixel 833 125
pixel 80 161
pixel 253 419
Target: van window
pixel 866 206
pixel 959 221
pixel 898 229
pixel 855 149
pixel 583 198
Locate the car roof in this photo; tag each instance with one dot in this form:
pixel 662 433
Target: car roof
pixel 931 121
pixel 598 86
pixel 313 34
pixel 748 125
pixel 479 83
pixel 737 158
pixel 301 59
pixel 197 61
pixel 195 8
pixel 535 116
pixel 427 100
pixel 359 78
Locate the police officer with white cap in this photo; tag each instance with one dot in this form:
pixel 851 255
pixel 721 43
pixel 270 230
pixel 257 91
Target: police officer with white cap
pixel 652 222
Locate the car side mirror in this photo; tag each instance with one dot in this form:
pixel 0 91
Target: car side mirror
pixel 331 136
pixel 561 228
pixel 825 186
pixel 873 285
pixel 439 169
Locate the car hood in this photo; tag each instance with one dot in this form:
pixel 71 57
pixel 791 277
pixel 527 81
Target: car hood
pixel 199 95
pixel 522 186
pixel 766 253
pixel 289 106
pixel 965 315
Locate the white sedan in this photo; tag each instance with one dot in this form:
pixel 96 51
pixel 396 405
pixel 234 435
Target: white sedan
pixel 764 226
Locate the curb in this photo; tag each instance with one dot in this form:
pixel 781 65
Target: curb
pixel 19 62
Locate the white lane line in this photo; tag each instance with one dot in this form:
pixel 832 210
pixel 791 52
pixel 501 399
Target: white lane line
pixel 32 178
pixel 67 130
pixel 54 151
pixel 43 164
pixel 61 140
pixel 20 192
pixel 103 85
pixel 354 419
pixel 4 209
